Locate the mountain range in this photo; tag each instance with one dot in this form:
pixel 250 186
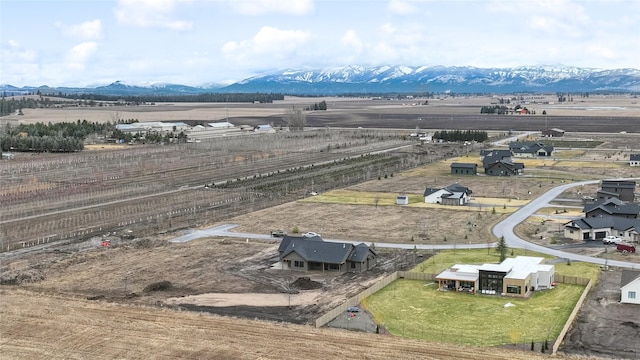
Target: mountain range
pixel 390 79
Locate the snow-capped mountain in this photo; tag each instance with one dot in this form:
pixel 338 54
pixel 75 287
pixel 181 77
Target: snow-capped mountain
pixel 376 79
pixel 390 79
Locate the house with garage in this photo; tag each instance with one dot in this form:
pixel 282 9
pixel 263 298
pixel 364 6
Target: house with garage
pixel 630 287
pixel 451 195
pixel 612 207
pixel 530 149
pixel 315 254
pixel 555 132
pixel 634 160
pixel 597 228
pixel 621 189
pixel 517 277
pixel 464 169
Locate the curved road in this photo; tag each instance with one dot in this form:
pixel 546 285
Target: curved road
pixel 503 228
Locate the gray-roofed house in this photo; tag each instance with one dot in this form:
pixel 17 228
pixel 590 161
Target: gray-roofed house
pixel 495 155
pixel 315 254
pixel 464 168
pixel 621 189
pixel 630 287
pixel 596 228
pixel 614 207
pixel 451 195
pixel 530 149
pixel 634 160
pixel 503 168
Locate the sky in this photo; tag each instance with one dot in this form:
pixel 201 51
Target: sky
pixel 199 42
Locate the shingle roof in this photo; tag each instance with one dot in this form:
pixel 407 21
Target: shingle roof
pixel 613 206
pixel 620 184
pixel 634 157
pixel 603 222
pixel 464 165
pixel 317 250
pixel 628 276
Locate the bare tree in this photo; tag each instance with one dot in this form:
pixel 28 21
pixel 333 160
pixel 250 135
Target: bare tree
pixel 295 119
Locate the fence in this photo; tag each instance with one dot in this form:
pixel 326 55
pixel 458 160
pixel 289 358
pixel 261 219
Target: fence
pixel 563 279
pixel 356 299
pixel 572 317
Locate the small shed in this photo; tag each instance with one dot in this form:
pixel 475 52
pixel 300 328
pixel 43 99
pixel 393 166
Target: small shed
pixel 464 169
pixel 402 199
pixel 634 160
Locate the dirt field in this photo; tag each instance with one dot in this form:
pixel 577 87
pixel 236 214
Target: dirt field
pixel 605 327
pixel 36 326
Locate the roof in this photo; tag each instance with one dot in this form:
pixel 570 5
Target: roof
pixel 523 147
pixel 605 222
pixel 502 267
pixel 222 124
pixel 454 275
pixel 628 276
pixel 453 190
pixel 619 184
pixel 613 206
pixel 464 165
pixel 514 167
pixel 634 157
pixel 317 250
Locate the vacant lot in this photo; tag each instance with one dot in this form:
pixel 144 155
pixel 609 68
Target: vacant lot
pixel 604 327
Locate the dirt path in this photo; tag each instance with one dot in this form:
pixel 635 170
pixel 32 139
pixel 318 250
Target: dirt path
pixel 248 299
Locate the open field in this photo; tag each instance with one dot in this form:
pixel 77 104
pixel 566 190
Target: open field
pixel 413 309
pixel 39 326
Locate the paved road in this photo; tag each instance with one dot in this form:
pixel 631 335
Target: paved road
pixel 505 228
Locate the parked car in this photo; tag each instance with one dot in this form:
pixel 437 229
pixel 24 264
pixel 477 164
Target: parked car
pixel 310 234
pixel 611 239
pixel 278 233
pixel 626 248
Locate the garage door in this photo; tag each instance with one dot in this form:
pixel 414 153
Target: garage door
pixel 601 234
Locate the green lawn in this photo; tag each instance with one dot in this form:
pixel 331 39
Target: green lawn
pixel 416 309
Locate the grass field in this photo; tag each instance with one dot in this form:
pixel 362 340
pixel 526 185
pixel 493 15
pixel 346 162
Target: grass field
pixel 413 309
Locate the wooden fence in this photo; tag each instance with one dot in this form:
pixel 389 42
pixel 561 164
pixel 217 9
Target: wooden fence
pixel 562 279
pixel 572 317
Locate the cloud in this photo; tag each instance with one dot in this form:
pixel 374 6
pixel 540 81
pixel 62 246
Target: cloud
pixel 78 56
pixel 88 30
pixel 14 52
pixel 351 40
pixel 401 7
pixel 150 13
pixel 562 17
pixel 268 42
pixel 261 7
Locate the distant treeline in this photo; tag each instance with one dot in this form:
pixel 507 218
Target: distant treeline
pixel 59 137
pixel 145 99
pixel 496 109
pixel 459 135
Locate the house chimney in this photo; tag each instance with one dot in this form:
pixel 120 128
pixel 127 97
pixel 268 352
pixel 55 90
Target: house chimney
pixel 344 245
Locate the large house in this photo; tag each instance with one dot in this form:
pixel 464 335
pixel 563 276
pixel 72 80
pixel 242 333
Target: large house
pixel 315 254
pixel 451 195
pixel 503 168
pixel 634 160
pixel 630 287
pixel 620 189
pixel 612 207
pixel 530 149
pixel 494 155
pixel 596 228
pixel 516 277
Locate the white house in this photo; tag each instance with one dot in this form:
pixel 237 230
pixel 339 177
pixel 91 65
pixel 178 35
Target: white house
pixel 630 287
pixel 451 195
pixel 634 160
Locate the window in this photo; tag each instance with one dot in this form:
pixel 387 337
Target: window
pixel 298 264
pixel 632 295
pixel 513 289
pixel 353 265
